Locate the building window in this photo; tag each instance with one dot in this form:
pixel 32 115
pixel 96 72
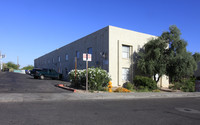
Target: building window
pixel 66 57
pixel 125 51
pixel 53 60
pixel 77 54
pixel 125 74
pixel 58 58
pixel 89 50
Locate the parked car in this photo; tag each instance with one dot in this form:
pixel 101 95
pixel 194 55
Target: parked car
pixel 33 71
pixel 5 70
pixel 49 73
pixel 27 72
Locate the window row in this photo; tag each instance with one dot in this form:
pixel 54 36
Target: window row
pixel 89 51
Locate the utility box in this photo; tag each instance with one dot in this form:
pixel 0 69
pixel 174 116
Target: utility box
pixel 197 85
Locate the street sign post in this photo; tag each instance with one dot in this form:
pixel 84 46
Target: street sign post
pixel 87 57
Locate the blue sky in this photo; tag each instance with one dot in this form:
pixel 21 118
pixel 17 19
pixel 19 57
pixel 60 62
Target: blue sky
pixel 31 28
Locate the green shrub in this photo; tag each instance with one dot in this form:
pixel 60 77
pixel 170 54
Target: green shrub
pixel 143 89
pixel 188 85
pixel 97 78
pixel 105 89
pixel 177 86
pixel 128 86
pixel 156 90
pixel 146 82
pixel 140 87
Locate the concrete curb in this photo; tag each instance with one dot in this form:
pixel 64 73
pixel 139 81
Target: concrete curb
pixel 65 87
pixel 34 97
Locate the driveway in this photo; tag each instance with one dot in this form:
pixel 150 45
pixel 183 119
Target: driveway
pixel 22 83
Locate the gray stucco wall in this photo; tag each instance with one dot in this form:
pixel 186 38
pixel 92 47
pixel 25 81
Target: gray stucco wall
pixel 98 41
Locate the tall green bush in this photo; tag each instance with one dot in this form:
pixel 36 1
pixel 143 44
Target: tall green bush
pixel 146 82
pixel 97 78
pixel 188 85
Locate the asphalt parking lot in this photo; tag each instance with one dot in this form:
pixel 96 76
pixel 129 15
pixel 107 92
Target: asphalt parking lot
pixel 23 83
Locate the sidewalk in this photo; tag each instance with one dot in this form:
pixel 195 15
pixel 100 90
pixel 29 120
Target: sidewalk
pixel 32 97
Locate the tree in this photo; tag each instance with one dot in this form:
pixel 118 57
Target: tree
pixel 152 59
pixel 167 55
pixel 29 67
pixel 11 65
pixel 196 57
pixel 180 63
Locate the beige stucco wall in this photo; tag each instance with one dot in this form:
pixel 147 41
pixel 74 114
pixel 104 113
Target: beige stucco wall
pixel 163 82
pixel 117 38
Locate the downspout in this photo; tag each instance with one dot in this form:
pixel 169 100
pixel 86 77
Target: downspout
pixel 118 62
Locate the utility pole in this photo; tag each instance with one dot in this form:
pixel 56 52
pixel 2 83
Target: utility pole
pixel 18 61
pixel 1 56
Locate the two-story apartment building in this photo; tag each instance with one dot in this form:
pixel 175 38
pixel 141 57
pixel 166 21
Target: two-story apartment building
pixel 112 49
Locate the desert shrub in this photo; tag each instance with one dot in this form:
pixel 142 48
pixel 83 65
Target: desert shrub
pixel 128 86
pixel 97 78
pixel 121 89
pixel 146 82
